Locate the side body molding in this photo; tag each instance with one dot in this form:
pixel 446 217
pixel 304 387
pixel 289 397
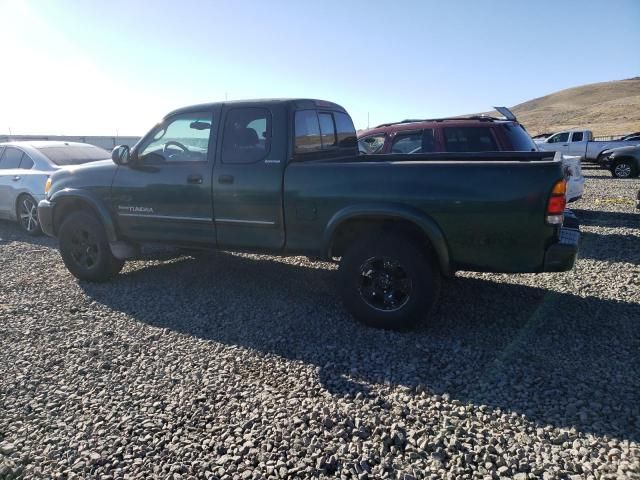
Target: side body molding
pixel 384 211
pixel 96 204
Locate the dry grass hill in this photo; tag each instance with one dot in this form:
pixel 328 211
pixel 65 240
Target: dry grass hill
pixel 607 108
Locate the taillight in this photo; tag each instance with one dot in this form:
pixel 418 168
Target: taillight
pixel 557 203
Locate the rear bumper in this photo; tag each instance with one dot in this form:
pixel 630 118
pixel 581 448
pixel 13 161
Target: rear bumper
pixel 45 216
pixel 561 256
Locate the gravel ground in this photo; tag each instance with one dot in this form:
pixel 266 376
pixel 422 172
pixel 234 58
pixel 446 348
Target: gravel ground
pixel 246 366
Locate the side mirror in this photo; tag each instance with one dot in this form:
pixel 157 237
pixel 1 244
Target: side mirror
pixel 121 155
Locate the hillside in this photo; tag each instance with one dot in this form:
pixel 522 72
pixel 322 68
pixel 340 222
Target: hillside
pixel 607 108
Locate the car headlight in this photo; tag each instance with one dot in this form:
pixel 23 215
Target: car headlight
pixel 47 186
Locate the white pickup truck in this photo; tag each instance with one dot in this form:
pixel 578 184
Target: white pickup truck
pixel 580 143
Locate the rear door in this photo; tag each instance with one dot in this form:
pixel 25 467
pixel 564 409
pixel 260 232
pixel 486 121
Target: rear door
pixel 247 178
pixel 166 195
pixel 577 144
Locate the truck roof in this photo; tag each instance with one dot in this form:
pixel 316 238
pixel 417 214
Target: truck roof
pixel 300 103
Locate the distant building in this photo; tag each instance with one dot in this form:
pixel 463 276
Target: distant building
pixel 100 141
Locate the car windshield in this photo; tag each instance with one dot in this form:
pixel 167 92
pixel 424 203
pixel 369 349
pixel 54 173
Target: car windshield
pixel 74 154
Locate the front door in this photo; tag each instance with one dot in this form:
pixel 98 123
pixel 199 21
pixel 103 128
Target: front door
pixel 247 179
pixel 9 163
pixel 165 194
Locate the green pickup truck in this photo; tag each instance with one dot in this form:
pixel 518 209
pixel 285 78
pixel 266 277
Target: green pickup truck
pixel 284 177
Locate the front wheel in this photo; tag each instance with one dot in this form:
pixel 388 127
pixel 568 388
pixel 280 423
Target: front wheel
pixel 85 249
pixel 389 281
pixel 624 169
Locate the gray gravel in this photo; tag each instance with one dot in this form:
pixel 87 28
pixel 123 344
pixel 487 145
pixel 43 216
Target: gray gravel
pixel 246 366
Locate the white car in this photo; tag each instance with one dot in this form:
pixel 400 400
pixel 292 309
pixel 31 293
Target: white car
pixel 573 175
pixel 24 170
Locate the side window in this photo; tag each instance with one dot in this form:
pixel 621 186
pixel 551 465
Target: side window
pixel 559 138
pixel 247 135
pixel 407 143
pixel 307 134
pixel 372 144
pixel 577 136
pixel 469 139
pixel 180 138
pixel 428 141
pixel 11 158
pixel 345 130
pixel 26 163
pixel 327 130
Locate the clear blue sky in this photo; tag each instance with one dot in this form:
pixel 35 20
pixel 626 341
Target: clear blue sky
pixel 85 67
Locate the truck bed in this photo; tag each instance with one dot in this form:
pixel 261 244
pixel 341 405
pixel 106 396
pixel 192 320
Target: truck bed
pixel 489 208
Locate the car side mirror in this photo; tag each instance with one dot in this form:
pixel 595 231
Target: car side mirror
pixel 121 155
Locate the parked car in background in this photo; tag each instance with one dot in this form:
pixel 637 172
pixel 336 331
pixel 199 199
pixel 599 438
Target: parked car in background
pixel 580 143
pixel 24 170
pixel 622 162
pixel 470 134
pixel 284 177
pixel 635 137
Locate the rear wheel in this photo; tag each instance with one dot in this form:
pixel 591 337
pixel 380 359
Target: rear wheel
pixel 85 249
pixel 27 214
pixel 624 169
pixel 389 281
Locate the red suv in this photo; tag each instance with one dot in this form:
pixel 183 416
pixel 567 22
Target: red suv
pixel 472 134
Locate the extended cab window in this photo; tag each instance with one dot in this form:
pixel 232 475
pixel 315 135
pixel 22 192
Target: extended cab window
pixel 469 139
pixel 345 130
pixel 180 138
pixel 247 135
pixel 577 136
pixel 319 131
pixel 11 158
pixel 307 132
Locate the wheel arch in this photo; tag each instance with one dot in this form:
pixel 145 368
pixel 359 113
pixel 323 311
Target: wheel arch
pixel 353 221
pixel 69 200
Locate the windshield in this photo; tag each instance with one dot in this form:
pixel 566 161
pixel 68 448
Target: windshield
pixel 74 154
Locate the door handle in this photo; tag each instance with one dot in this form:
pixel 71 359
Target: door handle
pixel 225 179
pixel 16 178
pixel 197 179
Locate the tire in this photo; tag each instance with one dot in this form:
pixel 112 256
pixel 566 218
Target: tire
pixel 624 169
pixel 388 281
pixel 27 215
pixel 85 249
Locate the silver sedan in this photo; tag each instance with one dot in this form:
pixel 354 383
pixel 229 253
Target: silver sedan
pixel 24 170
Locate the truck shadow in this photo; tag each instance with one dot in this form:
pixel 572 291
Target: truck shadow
pixel 610 248
pixel 594 218
pixel 517 348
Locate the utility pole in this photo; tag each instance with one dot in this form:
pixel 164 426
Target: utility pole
pixel 367 120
